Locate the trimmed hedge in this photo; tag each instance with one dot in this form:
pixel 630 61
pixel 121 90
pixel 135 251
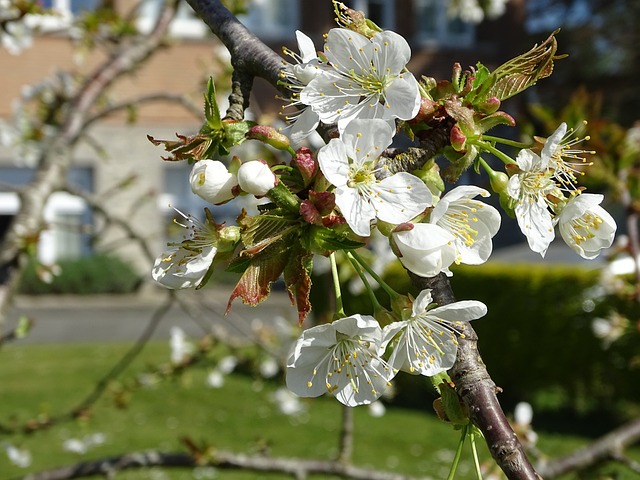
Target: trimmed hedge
pixel 97 274
pixel 536 339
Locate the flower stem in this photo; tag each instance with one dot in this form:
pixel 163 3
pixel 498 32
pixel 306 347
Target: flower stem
pixel 372 296
pixel 336 285
pixel 456 458
pixel 390 291
pixel 506 159
pixel 474 451
pixel 505 141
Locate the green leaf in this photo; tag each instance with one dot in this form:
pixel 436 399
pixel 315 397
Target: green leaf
pixel 519 73
pixel 324 240
pixel 260 231
pixel 297 279
pixel 211 110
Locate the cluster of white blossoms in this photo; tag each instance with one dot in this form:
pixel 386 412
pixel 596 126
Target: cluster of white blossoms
pixel 545 195
pixel 360 84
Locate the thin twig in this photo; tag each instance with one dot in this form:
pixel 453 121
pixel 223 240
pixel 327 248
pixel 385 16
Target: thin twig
pixel 221 459
pixel 605 448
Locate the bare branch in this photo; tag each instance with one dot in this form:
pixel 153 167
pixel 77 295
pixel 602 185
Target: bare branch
pixel 56 158
pixel 115 108
pixel 607 447
pixel 101 386
pixel 298 468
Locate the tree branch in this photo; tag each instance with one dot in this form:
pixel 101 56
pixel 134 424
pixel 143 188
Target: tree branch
pixel 478 391
pixel 608 447
pixel 221 459
pixel 56 158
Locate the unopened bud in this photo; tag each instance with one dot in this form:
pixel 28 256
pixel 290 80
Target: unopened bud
pixel 256 177
pixel 458 138
pixel 268 135
pixel 306 164
pixel 499 181
pixel 490 105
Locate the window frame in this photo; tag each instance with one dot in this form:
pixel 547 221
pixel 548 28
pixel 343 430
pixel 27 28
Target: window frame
pixel 443 36
pixel 267 30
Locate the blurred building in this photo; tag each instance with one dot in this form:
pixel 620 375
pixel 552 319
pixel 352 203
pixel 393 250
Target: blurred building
pixel 181 67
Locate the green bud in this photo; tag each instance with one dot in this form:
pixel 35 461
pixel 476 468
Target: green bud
pixel 498 181
pixel 228 238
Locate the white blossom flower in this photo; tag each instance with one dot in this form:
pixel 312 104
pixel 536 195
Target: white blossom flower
pixel 472 223
pixel 16 36
pixel 341 358
pixel 349 163
pixel 377 409
pixel 296 77
pixel 367 79
pixel 529 188
pixel 181 347
pixel 20 457
pixel 585 226
pixel 256 177
pixel 211 181
pixel 186 264
pixel 227 364
pixel 563 158
pixel 215 379
pixel 426 249
pixel 427 343
pixel 269 367
pixel 288 402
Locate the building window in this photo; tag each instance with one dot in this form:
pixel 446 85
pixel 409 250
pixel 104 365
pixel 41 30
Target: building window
pixel 64 13
pixel 380 12
pixel 185 24
pixel 272 19
pixel 435 27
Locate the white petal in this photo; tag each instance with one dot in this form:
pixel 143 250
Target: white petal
pixel 463 311
pixel 348 50
pixel 393 52
pixel 367 139
pixel 535 222
pixel 402 97
pixel 334 162
pixel 304 124
pixel 357 210
pixel 306 47
pixel 400 198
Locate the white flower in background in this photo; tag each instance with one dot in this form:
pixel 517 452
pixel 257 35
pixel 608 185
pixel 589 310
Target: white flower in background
pixel 426 249
pixel 427 343
pixel 367 79
pixel 269 367
pixel 585 226
pixel 215 379
pixel 211 181
pixel 20 457
pixel 349 163
pixel 16 36
pixel 227 364
pixel 377 409
pixel 529 188
pixel 288 402
pixel 82 445
pixel 296 77
pixel 256 177
pixel 186 264
pixel 341 358
pixel 181 347
pixel 522 417
pixel 472 223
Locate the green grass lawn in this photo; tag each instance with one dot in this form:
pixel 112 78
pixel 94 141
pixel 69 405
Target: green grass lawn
pixel 48 380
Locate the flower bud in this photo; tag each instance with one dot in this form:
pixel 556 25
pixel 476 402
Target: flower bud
pixel 268 135
pixel 211 181
pixel 499 181
pixel 306 164
pixel 256 177
pixel 458 138
pixel 490 105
